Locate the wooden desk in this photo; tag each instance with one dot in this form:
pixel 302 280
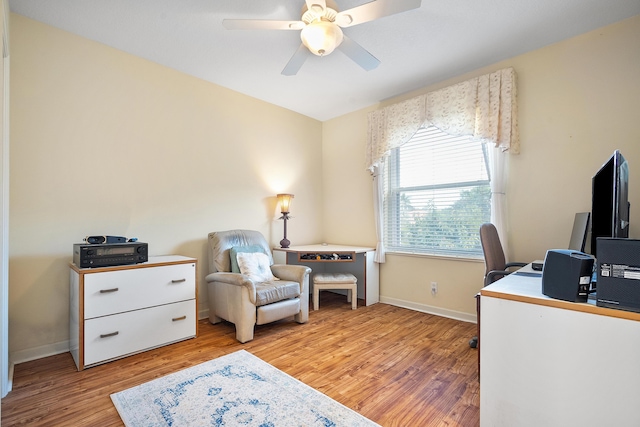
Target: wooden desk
pixel 360 265
pixel 547 362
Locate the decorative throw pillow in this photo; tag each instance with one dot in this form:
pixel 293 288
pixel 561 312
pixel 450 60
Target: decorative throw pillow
pixel 234 251
pixel 256 266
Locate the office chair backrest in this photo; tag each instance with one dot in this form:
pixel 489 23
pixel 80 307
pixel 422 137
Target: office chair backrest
pixel 494 258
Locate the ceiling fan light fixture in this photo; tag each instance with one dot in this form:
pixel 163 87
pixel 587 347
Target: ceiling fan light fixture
pixel 321 37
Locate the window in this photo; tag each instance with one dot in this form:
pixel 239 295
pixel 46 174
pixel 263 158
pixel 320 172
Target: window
pixel 436 195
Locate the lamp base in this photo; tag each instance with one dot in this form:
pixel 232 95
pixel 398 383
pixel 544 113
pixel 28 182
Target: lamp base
pixel 284 243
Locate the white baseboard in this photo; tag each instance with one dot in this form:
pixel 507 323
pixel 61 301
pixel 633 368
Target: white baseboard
pixel 443 312
pixel 10 378
pixel 56 348
pixel 38 352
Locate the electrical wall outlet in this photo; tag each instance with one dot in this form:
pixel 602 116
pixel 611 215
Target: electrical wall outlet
pixel 434 288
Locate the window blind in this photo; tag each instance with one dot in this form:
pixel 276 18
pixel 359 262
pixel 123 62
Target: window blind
pixel 437 194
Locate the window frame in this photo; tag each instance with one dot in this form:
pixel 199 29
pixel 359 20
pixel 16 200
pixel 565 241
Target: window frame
pixel 392 208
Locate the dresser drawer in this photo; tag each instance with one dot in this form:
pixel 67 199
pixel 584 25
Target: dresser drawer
pixel 107 293
pixel 122 334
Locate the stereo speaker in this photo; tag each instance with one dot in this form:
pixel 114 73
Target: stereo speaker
pixel 566 275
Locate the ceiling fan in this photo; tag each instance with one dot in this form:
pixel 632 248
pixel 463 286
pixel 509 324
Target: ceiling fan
pixel 321 29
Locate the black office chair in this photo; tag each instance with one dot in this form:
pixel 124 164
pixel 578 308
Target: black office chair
pixel 495 263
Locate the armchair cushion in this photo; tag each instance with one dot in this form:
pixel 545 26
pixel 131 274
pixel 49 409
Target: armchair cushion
pixel 255 265
pixel 268 292
pixel 234 251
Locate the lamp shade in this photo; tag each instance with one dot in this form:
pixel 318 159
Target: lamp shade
pixel 285 202
pixel 321 37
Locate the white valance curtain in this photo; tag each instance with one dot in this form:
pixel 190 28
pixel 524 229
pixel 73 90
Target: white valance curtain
pixel 483 107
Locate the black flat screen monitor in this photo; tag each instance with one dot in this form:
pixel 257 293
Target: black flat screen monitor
pixel 610 201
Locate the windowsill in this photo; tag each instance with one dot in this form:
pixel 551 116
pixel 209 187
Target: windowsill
pixel 434 256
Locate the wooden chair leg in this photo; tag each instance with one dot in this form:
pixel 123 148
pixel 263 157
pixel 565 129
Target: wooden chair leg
pixel 316 298
pixel 354 298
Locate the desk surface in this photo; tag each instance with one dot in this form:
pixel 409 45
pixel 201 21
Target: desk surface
pixel 317 248
pixel 525 285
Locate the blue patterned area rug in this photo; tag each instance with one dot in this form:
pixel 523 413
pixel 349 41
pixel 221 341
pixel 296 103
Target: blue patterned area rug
pixel 238 389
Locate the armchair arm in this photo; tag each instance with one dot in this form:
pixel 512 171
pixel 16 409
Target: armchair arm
pixel 514 264
pixel 494 275
pixel 300 274
pixel 235 279
pixel 230 278
pixel 293 273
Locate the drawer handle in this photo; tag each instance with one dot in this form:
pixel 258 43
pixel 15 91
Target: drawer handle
pixel 112 334
pixel 106 291
pixel 175 319
pixel 178 280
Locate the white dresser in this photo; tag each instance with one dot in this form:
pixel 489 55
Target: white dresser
pixel 122 310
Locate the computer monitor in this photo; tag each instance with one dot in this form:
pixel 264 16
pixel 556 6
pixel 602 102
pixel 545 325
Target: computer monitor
pixel 580 231
pixel 609 201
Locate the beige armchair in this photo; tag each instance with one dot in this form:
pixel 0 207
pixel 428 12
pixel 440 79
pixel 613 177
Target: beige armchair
pixel 248 299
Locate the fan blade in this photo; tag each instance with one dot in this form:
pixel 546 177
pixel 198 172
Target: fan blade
pixel 261 24
pixel 296 61
pixel 316 6
pixel 374 10
pixel 358 54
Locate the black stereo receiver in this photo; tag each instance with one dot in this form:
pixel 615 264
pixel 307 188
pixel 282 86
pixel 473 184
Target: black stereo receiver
pixel 109 254
pixel 618 274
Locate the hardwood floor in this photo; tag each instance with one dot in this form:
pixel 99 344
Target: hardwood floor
pixel 395 366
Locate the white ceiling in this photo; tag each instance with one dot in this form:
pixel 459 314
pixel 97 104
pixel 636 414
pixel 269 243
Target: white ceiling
pixel 441 39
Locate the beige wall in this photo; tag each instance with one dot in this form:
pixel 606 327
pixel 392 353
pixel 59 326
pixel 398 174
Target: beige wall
pixel 578 102
pixel 88 120
pixel 107 143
